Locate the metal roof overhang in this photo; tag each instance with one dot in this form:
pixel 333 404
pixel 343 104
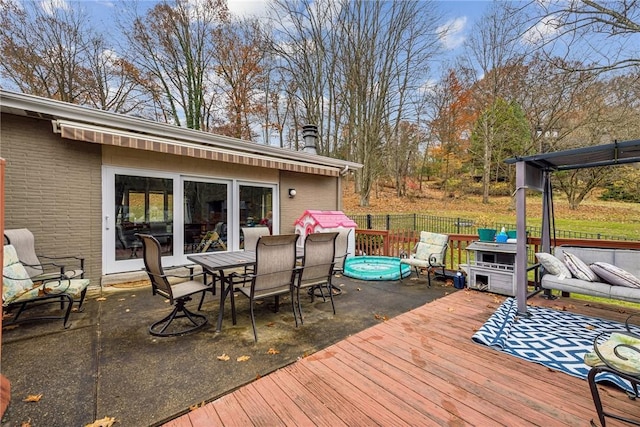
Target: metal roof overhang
pixel 617 153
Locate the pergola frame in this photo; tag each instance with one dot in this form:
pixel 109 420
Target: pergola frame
pixel 534 173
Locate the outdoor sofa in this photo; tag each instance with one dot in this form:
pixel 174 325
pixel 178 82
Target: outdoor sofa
pixel 602 272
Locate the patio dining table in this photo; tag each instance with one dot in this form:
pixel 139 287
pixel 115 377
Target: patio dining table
pixel 216 263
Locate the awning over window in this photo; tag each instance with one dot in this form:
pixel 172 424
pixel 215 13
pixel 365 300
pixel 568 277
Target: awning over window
pixel 119 138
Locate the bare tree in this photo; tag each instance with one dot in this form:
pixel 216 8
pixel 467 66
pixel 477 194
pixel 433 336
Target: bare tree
pixel 492 52
pixel 51 50
pixel 608 111
pixel 605 32
pixel 241 47
pixel 355 65
pixel 172 45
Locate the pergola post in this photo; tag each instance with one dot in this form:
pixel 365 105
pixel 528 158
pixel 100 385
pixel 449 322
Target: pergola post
pixel 521 234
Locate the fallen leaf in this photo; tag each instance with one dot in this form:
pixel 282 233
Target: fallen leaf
pixel 196 406
pixel 223 357
pixel 358 289
pixel 33 398
pixel 26 424
pixel 590 327
pixel 243 358
pixel 127 310
pixel 104 422
pixel 273 351
pixel 121 299
pixel 101 299
pixel 270 324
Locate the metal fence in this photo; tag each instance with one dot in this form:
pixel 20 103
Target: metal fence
pixel 446 225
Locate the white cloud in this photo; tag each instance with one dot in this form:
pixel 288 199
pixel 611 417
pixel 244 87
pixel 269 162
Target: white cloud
pixel 542 31
pixel 452 33
pixel 248 8
pixel 50 6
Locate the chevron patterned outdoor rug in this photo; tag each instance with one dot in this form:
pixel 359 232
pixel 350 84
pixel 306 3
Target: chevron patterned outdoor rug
pixel 553 338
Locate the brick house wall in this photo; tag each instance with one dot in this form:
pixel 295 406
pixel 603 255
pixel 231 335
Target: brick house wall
pixel 53 187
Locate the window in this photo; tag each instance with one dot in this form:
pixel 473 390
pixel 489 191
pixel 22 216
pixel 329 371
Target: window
pixel 256 206
pixel 205 216
pixel 143 205
pixel 186 214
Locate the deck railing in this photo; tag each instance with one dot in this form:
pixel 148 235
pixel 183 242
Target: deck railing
pixel 400 243
pixel 447 225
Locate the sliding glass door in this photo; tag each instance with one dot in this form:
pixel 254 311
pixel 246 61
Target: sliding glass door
pixel 185 214
pixel 206 216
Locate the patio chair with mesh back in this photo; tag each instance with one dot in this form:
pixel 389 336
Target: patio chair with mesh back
pixel 42 267
pixel 20 293
pixel 274 273
pixel 251 236
pixel 429 253
pixel 317 267
pixel 178 294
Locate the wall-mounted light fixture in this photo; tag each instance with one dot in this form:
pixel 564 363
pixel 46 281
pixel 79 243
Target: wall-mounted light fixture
pixel 292 193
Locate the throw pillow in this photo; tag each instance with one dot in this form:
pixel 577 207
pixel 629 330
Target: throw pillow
pixel 553 265
pixel 579 269
pixel 615 275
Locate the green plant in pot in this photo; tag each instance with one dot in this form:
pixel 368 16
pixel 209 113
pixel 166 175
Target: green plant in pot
pixel 485 233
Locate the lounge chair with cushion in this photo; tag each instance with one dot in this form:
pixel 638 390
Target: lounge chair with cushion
pixel 42 267
pixel 429 253
pixel 20 292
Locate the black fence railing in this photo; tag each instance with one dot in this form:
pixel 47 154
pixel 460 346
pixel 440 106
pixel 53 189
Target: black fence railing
pixel 446 225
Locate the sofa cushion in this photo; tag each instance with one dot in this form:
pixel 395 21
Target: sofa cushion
pixel 615 275
pixel 553 265
pixel 578 268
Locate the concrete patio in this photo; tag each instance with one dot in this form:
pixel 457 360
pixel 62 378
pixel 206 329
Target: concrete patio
pixel 106 364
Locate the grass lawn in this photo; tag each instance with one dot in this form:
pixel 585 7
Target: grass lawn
pixel 592 216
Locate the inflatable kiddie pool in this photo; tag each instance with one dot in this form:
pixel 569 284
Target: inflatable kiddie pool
pixel 375 268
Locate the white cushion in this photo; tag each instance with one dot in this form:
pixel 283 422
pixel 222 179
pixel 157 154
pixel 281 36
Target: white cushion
pixel 579 269
pixel 553 265
pixel 615 275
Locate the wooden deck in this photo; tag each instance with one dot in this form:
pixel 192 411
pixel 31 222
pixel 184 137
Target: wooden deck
pixel 420 368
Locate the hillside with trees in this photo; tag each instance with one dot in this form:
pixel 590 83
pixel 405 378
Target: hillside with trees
pixel 370 74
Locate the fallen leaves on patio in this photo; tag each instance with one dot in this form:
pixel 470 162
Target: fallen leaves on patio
pixel 104 422
pixel 33 398
pixel 243 358
pixel 381 317
pixel 223 357
pixel 272 351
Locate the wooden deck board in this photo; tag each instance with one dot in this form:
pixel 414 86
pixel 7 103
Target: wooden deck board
pixel 420 368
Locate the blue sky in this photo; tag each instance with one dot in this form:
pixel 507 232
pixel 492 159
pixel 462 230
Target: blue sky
pixel 460 15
